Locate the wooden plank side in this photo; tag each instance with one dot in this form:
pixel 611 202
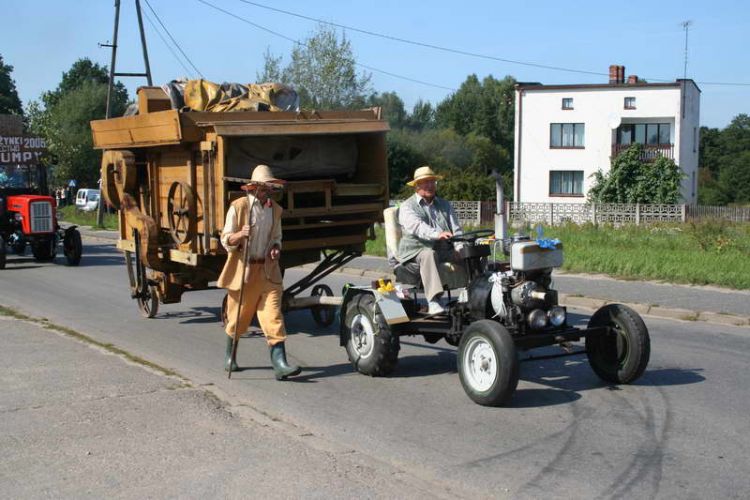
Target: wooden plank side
pixel 160 128
pixel 300 128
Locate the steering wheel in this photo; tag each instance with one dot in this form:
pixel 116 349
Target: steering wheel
pixel 471 236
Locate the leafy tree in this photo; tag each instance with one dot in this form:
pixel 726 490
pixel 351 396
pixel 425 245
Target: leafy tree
pixel 272 71
pixel 422 116
pixel 323 71
pixel 63 117
pixel 484 108
pixel 9 101
pixel 631 180
pixel 734 178
pixel 393 108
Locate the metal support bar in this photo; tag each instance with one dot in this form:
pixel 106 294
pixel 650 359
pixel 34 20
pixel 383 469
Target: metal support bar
pixel 553 356
pixel 329 264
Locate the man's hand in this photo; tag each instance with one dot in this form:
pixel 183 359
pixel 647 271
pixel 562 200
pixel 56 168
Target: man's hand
pixel 240 235
pixel 445 235
pixel 274 253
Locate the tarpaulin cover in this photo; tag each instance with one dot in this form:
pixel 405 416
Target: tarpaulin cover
pixel 202 95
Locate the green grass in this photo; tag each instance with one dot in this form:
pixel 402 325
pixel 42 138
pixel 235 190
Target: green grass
pixel 706 253
pixel 72 215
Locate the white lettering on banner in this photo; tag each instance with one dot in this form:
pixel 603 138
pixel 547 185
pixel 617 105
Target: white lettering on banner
pixel 22 149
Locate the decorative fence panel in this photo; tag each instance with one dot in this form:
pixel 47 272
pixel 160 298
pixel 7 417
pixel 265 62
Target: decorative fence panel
pixel 474 213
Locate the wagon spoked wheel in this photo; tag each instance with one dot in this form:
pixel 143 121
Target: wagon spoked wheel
pixel 323 315
pixel 181 212
pixel 148 302
pixel 148 299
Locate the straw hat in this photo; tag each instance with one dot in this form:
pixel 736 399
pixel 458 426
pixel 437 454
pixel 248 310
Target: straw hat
pixel 262 175
pixel 423 173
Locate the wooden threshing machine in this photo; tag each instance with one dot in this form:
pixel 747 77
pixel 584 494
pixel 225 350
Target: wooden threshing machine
pixel 173 174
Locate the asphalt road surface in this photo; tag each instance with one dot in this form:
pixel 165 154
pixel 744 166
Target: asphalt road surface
pixel 681 431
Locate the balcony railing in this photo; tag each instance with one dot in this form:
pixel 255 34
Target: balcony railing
pixel 649 152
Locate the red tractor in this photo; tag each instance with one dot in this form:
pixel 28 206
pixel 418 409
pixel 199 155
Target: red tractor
pixel 28 216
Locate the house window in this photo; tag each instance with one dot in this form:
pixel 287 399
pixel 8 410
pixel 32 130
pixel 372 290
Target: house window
pixel 566 135
pixel 566 183
pixel 567 103
pixel 630 103
pixel 644 133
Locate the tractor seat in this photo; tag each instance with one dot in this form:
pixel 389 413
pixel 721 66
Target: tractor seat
pixel 451 275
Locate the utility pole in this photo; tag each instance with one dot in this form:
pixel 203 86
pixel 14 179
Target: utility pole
pixel 686 26
pixel 113 73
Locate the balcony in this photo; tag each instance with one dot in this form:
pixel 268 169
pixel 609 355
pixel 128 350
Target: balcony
pixel 649 152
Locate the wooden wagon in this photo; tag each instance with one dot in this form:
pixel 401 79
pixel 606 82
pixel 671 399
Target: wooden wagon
pixel 172 176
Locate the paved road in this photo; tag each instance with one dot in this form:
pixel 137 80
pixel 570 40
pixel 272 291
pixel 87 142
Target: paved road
pixel 681 431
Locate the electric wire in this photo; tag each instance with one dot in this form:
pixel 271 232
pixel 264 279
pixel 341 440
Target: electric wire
pixel 174 54
pixel 461 52
pixel 172 38
pixel 297 42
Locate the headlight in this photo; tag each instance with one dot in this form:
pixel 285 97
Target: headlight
pixel 557 316
pixel 537 319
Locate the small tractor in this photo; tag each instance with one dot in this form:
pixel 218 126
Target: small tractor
pixel 502 307
pixel 28 217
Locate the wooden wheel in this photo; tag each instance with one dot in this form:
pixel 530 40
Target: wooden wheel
pixel 181 212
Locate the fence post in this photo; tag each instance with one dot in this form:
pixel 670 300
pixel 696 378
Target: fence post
pixel 637 214
pixel 551 214
pixel 684 213
pixel 479 213
pixel 593 213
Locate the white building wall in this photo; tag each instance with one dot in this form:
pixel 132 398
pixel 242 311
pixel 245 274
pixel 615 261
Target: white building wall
pixel 598 109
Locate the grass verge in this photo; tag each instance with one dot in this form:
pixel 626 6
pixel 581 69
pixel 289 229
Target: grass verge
pixel 72 215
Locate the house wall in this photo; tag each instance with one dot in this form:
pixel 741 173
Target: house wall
pixel 536 109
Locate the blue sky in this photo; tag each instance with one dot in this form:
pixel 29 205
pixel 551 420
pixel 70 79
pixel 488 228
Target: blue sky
pixel 42 38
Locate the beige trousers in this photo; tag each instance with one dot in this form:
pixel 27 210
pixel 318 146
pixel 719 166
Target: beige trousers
pixel 263 297
pixel 425 265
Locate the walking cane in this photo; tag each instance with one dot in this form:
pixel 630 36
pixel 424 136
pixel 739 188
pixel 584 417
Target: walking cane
pixel 245 252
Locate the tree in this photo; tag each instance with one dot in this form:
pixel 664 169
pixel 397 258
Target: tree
pixel 272 71
pixel 734 178
pixel 422 116
pixel 484 108
pixel 10 103
pixel 631 180
pixel 323 72
pixel 63 118
pixel 393 108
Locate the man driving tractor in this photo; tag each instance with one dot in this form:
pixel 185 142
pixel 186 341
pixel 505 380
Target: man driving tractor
pixel 427 223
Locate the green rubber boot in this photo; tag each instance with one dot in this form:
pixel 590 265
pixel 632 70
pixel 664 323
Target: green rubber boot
pixel 228 357
pixel 281 368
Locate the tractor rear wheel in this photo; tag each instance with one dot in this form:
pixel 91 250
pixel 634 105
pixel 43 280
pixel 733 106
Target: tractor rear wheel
pixel 621 355
pixel 72 247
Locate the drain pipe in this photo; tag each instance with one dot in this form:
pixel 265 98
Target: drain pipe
pixel 501 221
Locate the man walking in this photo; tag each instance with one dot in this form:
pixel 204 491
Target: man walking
pixel 255 221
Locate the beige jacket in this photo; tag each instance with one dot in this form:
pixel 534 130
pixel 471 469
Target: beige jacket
pixel 231 276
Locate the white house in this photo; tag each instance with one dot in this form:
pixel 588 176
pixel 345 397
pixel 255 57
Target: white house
pixel 565 133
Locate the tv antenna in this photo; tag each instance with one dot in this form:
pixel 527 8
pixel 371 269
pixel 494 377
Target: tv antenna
pixel 686 26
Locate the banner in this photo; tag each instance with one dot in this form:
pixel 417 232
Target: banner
pixel 22 149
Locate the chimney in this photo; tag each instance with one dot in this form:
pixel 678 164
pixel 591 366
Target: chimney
pixel 632 79
pixel 613 71
pixel 616 74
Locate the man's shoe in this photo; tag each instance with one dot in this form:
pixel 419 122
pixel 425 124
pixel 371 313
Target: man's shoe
pixel 281 368
pixel 434 307
pixel 228 358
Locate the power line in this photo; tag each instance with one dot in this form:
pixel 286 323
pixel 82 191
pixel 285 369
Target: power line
pixel 174 54
pixel 297 42
pixel 173 40
pixel 464 52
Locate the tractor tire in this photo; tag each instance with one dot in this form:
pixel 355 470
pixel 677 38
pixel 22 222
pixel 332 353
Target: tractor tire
pixel 44 250
pixel 73 248
pixel 371 345
pixel 2 252
pixel 488 363
pixel 620 356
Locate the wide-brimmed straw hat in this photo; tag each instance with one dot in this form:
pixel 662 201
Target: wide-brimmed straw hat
pixel 263 176
pixel 423 173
